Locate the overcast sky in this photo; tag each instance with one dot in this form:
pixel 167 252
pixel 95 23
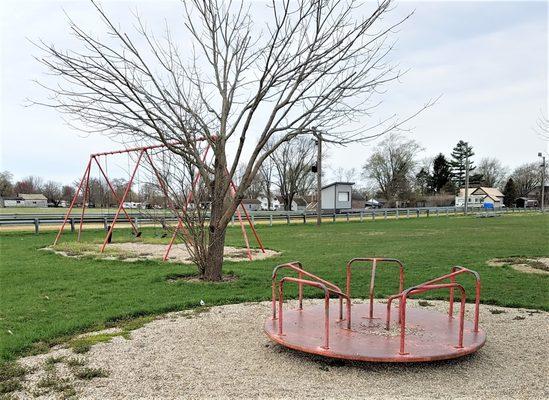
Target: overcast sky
pixel 488 60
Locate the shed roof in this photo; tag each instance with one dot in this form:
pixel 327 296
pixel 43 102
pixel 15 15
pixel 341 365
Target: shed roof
pixel 489 191
pixel 32 196
pixel 338 183
pixel 251 201
pixel 11 198
pixel 300 201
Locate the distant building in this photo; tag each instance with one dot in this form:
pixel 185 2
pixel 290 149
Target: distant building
pixel 12 201
pixel 480 196
pixel 251 204
pixel 275 204
pixel 337 196
pixel 26 200
pixel 535 194
pixel 299 204
pixel 525 202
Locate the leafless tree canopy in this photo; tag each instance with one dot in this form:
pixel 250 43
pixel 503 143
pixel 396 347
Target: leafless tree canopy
pixel 315 63
pixel 392 166
pixel 492 171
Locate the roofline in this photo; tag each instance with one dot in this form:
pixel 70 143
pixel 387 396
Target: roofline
pixel 338 183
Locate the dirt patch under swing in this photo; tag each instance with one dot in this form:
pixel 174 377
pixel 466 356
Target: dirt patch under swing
pixel 139 251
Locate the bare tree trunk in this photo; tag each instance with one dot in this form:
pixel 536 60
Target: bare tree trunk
pixel 217 229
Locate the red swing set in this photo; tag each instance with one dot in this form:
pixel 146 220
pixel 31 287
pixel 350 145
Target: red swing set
pixel 143 155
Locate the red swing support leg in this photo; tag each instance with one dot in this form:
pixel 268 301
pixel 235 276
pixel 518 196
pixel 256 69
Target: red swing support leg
pixel 115 195
pixel 121 204
pixel 85 199
pixel 188 199
pixel 73 202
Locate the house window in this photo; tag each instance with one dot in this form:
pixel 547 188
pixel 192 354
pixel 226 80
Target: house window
pixel 343 196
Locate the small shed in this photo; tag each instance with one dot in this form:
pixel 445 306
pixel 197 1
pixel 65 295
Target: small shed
pixel 525 202
pixel 33 200
pixel 251 204
pixel 299 204
pixel 337 196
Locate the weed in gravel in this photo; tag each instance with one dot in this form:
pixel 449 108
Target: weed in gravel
pixel 84 344
pixel 88 373
pixel 11 375
pixel 424 303
pixel 75 362
pixel 496 311
pixel 49 364
pixel 53 383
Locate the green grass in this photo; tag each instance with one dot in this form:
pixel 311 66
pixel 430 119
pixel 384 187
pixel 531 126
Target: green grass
pixel 47 298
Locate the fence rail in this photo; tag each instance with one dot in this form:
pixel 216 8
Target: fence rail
pixel 105 219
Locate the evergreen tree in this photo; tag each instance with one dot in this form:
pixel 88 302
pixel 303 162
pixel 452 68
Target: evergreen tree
pixel 459 157
pixel 422 181
pixel 441 173
pixel 510 193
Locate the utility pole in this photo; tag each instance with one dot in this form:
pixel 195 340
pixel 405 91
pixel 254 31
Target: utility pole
pixel 466 177
pixel 543 167
pixel 318 136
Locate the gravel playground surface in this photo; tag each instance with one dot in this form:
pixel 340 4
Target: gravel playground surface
pixel 223 353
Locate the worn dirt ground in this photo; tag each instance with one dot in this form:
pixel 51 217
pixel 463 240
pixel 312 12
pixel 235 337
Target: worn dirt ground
pixel 135 251
pixel 223 353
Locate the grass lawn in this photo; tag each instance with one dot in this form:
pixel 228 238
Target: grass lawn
pixel 46 297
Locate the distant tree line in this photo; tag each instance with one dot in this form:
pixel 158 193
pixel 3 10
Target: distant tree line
pixel 397 174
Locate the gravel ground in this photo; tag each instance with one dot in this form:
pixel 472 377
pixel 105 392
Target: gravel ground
pixel 223 353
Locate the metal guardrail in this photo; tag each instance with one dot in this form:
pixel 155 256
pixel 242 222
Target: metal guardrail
pixel 259 216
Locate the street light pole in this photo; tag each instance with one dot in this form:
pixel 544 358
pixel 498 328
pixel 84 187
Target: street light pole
pixel 318 136
pixel 466 177
pixel 543 167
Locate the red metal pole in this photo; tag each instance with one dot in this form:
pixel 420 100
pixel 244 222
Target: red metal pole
pixel 372 285
pixel 257 238
pixel 121 205
pixel 139 149
pixel 114 194
pixel 84 200
pixel 170 202
pixel 451 307
pixel 244 233
pixel 184 208
pixel 402 312
pixel 72 203
pixel 477 304
pixel 326 320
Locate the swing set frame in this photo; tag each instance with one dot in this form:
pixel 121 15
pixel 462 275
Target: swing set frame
pixel 144 156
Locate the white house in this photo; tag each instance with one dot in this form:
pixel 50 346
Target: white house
pixel 275 204
pixel 251 204
pixel 480 196
pixel 337 196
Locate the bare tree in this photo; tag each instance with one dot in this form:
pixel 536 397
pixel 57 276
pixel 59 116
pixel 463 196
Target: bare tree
pixel 542 126
pixel 526 177
pixel 492 171
pixel 293 161
pixel 30 184
pixel 345 174
pixel 52 191
pixel 67 193
pixel 266 177
pixel 392 166
pixel 6 183
pixel 317 64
